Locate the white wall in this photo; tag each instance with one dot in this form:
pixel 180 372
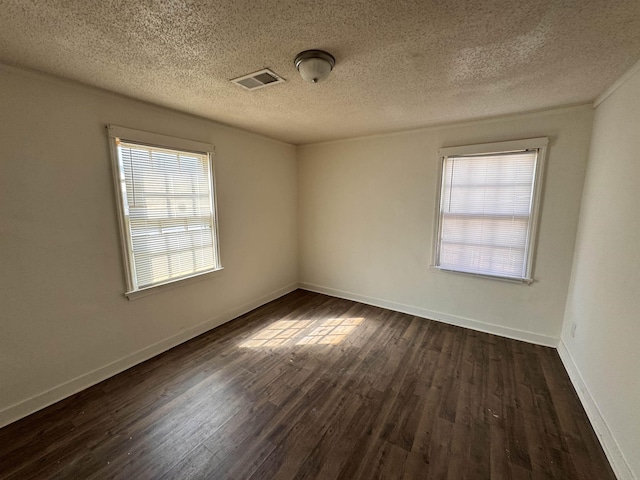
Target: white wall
pixel 64 320
pixel 603 358
pixel 367 217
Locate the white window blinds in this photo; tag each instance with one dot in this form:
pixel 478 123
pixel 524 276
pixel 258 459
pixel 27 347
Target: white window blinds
pixel 486 207
pixel 168 211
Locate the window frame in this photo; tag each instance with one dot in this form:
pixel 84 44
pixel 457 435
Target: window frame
pixel 540 144
pixel 117 133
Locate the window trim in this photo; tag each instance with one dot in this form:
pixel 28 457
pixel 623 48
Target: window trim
pixel 540 144
pixel 117 133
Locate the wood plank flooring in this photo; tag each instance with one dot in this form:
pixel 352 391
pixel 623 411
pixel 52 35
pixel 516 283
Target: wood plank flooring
pixel 315 387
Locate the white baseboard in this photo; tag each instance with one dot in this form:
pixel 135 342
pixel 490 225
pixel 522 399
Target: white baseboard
pixel 480 326
pixel 64 390
pixel 619 464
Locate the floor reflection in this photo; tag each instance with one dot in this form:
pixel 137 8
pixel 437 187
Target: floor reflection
pixel 304 332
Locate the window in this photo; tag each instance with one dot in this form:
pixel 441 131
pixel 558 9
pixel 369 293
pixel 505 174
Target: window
pixel 488 207
pixel 166 202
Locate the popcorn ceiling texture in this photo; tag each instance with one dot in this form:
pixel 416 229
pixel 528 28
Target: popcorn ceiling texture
pixel 400 64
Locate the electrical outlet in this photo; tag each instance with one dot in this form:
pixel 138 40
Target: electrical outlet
pixel 573 329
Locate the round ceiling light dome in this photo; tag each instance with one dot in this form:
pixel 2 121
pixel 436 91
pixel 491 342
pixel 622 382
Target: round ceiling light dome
pixel 314 65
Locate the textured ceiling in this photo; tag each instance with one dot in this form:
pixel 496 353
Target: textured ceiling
pixel 400 64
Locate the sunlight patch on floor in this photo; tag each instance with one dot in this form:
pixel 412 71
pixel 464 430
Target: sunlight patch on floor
pixel 304 332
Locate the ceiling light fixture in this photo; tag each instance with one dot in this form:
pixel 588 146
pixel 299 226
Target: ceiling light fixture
pixel 314 65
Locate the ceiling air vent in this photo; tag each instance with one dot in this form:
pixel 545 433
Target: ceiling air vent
pixel 256 80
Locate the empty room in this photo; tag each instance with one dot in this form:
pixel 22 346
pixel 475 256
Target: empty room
pixel 348 239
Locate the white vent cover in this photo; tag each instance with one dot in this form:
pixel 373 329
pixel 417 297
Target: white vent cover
pixel 256 80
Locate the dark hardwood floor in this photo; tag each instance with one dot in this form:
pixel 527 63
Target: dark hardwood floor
pixel 311 386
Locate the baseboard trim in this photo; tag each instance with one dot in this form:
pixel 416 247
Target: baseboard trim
pixel 480 326
pixel 37 402
pixel 611 449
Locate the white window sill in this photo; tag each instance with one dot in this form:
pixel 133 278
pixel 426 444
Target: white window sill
pixel 520 281
pixel 161 287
